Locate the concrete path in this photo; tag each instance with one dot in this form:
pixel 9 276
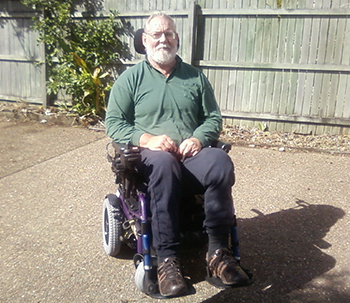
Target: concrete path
pixel 293 211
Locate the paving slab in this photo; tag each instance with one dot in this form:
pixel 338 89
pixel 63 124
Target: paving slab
pixel 293 211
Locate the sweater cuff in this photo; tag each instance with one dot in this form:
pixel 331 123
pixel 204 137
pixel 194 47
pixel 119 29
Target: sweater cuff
pixel 202 139
pixel 135 138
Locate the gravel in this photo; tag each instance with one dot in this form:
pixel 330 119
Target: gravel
pixel 286 142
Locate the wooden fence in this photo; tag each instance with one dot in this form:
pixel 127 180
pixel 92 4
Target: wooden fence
pixel 287 67
pixel 22 72
pixel 285 64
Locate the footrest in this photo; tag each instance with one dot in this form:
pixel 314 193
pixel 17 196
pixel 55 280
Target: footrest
pixel 215 281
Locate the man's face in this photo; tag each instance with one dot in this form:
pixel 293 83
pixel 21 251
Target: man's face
pixel 161 41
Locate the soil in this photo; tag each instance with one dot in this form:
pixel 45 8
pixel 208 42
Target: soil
pixel 237 135
pixel 283 141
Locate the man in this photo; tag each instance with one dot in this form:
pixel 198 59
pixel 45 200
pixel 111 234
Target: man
pixel 168 108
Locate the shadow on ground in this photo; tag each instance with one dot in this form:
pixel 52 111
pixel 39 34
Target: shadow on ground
pixel 284 252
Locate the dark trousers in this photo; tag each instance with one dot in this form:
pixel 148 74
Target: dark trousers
pixel 210 172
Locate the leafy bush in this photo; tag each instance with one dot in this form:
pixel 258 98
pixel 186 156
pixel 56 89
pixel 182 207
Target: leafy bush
pixel 81 53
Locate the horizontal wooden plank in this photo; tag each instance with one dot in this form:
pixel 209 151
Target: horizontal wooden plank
pixel 273 66
pixel 286 118
pixel 263 66
pixel 21 99
pixel 138 14
pixel 19 59
pixel 102 14
pixel 174 13
pixel 20 15
pixel 276 12
pixel 210 12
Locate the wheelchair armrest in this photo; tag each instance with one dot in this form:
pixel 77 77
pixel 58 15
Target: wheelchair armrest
pixel 125 148
pixel 223 145
pixel 126 156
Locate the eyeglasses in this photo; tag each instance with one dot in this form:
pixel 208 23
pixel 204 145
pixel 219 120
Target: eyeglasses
pixel 157 35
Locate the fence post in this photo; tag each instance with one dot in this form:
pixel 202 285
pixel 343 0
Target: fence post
pixel 43 92
pixel 192 24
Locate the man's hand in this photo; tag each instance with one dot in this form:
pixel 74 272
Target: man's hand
pixel 162 142
pixel 190 147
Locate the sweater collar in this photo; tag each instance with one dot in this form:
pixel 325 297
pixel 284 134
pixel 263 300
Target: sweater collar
pixel 177 58
pixel 177 65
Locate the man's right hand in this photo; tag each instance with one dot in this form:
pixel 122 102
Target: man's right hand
pixel 162 142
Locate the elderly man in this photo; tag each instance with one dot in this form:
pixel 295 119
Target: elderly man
pixel 168 108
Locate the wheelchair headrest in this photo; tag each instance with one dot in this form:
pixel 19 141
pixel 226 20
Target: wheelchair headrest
pixel 139 47
pixel 138 44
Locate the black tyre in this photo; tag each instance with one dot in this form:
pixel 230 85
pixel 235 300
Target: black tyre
pixel 140 277
pixel 148 287
pixel 112 225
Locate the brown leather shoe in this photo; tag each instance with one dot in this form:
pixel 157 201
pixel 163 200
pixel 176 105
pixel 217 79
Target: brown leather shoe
pixel 170 280
pixel 224 266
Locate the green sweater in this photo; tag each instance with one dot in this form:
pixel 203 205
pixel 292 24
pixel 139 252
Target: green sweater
pixel 181 106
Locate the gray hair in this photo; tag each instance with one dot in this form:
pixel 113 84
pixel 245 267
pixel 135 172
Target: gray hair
pixel 157 15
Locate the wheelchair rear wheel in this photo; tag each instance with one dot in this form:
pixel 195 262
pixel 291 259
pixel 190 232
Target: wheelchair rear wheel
pixel 112 225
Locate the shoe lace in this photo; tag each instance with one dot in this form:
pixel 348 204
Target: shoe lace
pixel 221 260
pixel 169 269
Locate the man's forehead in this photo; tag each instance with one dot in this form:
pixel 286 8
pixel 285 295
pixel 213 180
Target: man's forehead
pixel 161 23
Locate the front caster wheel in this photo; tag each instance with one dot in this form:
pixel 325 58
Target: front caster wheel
pixel 146 281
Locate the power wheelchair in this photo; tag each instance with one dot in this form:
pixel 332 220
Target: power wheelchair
pixel 127 218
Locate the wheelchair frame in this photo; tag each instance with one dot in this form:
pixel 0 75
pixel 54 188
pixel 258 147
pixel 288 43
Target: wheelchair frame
pixel 126 216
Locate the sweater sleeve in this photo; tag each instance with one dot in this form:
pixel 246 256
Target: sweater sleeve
pixel 210 120
pixel 120 114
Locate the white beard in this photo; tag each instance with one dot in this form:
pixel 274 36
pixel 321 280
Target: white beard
pixel 163 54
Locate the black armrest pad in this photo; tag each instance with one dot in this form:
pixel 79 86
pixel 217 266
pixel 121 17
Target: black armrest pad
pixel 223 145
pixel 125 148
pixel 127 155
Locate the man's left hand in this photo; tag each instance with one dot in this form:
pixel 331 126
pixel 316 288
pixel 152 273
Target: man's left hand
pixel 190 147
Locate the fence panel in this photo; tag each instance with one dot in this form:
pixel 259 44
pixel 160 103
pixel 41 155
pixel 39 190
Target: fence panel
pixel 22 76
pixel 285 65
